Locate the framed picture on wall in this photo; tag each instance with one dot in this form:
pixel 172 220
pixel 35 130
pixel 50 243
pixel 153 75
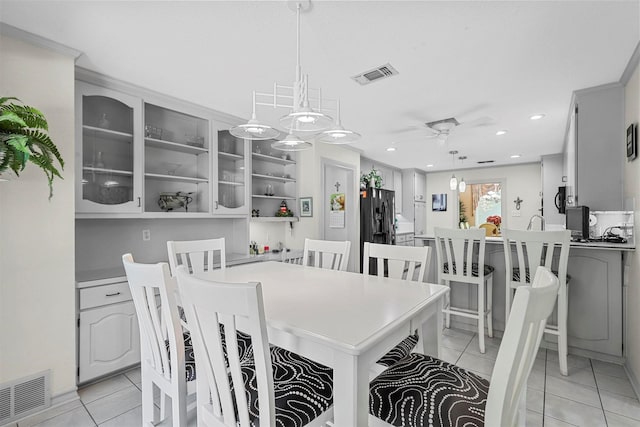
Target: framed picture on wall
pixel 439 202
pixel 632 144
pixel 306 206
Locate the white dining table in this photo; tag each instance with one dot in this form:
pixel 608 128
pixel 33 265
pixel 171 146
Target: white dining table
pixel 343 320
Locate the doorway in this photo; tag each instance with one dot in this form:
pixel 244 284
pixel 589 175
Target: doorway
pixel 339 205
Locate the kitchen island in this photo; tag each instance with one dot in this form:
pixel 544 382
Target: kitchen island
pixel 596 295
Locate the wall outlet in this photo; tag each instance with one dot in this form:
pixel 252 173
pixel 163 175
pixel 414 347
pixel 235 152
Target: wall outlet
pixel 515 213
pixel 146 235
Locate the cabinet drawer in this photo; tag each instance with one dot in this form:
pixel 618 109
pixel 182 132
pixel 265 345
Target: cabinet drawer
pixel 103 295
pixel 401 238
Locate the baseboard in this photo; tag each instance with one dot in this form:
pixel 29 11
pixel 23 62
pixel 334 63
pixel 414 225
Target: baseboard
pixel 635 384
pixel 498 331
pixel 60 404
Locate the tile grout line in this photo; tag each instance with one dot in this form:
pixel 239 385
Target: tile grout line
pixel 593 371
pixel 544 386
pixel 89 413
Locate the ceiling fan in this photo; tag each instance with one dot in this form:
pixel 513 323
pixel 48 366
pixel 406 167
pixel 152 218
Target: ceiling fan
pixel 441 129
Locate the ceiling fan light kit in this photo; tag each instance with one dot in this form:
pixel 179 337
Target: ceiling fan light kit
pixel 303 119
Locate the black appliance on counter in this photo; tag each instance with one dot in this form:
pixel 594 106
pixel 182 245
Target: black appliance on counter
pixel 377 220
pixel 561 199
pixel 578 222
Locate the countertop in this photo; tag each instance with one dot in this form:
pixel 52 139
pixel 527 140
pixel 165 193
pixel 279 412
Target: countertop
pixel 582 245
pixel 88 278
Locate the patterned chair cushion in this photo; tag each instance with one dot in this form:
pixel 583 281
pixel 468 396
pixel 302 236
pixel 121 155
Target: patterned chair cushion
pixel 474 269
pixel 189 358
pixel 303 388
pixel 424 391
pixel 516 275
pixel 400 351
pixel 244 341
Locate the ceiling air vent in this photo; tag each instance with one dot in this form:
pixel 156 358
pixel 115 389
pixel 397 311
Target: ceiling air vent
pixel 375 74
pixel 485 161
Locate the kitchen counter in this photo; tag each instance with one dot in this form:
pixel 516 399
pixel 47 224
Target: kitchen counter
pixel 85 279
pixel 629 246
pixel 595 295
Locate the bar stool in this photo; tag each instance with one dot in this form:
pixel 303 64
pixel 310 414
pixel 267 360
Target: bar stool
pixel 524 252
pixel 460 257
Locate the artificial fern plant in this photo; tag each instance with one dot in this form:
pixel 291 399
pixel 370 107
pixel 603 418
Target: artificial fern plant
pixel 23 138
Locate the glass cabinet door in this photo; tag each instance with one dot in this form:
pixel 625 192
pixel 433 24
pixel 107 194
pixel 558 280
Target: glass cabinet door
pixel 108 125
pixel 232 196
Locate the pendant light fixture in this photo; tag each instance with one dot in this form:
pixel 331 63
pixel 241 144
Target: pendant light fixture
pixel 253 129
pixel 303 120
pixel 453 182
pixel 338 134
pixel 463 185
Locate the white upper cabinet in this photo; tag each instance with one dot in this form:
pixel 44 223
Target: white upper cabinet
pixel 231 191
pixel 147 155
pixel 108 151
pixel 177 161
pixel 419 187
pixel 273 176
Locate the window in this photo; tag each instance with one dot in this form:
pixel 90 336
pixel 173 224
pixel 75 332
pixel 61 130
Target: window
pixel 481 203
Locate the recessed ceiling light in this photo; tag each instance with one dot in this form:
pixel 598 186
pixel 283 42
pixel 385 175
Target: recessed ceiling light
pixel 501 132
pixel 536 116
pixel 391 149
pixel 429 166
pixel 515 156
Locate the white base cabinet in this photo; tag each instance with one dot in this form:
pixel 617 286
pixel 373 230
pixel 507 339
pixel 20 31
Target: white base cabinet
pixel 109 340
pixel 108 334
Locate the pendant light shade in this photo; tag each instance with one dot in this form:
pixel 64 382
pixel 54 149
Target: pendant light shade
pixel 254 130
pixel 462 186
pixel 306 120
pixel 291 143
pixel 338 134
pixel 453 182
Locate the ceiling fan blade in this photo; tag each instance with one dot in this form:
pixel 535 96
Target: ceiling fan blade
pixel 480 121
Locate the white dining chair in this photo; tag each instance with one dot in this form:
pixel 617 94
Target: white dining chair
pixel 410 263
pixel 424 391
pixel 524 252
pixel 328 254
pixel 274 387
pixel 460 255
pixel 197 255
pixel 167 359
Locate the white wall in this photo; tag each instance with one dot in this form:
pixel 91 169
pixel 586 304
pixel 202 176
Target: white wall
pixel 309 184
pixel 37 293
pixel 631 289
pixel 522 181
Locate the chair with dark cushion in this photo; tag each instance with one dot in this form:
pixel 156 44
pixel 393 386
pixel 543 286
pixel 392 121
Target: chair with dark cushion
pixel 273 387
pixel 424 391
pixel 166 353
pixel 524 252
pixel 456 250
pixel 410 263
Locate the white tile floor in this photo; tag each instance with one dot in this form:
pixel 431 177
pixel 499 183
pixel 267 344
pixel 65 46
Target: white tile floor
pixel 594 394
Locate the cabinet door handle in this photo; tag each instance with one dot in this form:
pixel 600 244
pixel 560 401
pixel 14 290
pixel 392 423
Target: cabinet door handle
pixel 138 201
pixel 216 204
pixel 113 294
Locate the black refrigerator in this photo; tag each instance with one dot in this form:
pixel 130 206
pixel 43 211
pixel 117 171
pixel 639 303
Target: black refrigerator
pixel 377 219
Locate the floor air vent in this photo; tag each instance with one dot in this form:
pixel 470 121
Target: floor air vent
pixel 24 396
pixel 378 73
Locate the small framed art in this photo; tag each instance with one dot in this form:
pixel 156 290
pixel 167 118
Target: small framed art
pixel 439 202
pixel 306 206
pixel 632 144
